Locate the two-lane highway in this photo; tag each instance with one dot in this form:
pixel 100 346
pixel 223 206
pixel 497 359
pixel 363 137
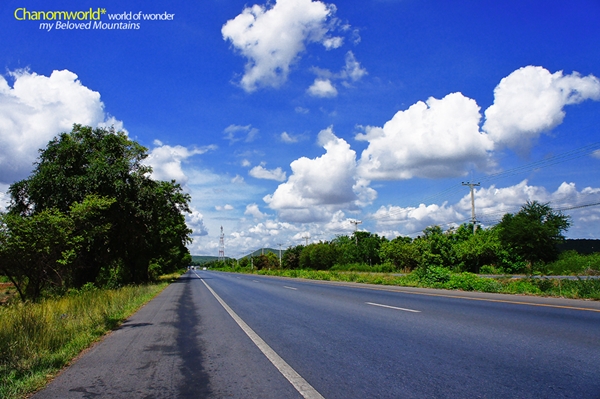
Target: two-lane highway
pixel 220 335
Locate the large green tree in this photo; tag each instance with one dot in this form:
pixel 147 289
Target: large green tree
pixel 362 247
pixel 534 232
pixel 291 257
pixel 402 253
pixel 145 218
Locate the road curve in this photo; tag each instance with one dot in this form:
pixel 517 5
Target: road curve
pixel 342 341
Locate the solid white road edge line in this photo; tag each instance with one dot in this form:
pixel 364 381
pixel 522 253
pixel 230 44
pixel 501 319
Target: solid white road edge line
pixel 393 307
pixel 301 385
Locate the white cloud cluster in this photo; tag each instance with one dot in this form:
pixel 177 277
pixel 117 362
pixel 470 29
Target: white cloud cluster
pixel 323 86
pixel 411 220
pixel 432 139
pixel 35 109
pixel 491 204
pixel 319 185
pixel 195 221
pixel 254 211
pixel 272 37
pixel 260 172
pixel 166 161
pixel 530 101
pixel 352 71
pixel 235 133
pixel 438 138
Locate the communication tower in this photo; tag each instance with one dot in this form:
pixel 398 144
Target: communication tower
pixel 222 246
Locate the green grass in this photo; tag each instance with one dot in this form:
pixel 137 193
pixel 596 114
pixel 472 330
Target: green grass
pixel 38 339
pixel 572 263
pixel 444 279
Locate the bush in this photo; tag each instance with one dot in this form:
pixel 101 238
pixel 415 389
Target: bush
pixel 434 275
pixel 487 269
pixel 471 282
pixel 571 262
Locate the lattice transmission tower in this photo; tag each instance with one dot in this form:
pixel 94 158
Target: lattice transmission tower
pixel 222 246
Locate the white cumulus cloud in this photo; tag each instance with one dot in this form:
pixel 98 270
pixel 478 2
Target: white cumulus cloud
pixel 319 186
pixel 254 211
pixel 322 88
pixel 195 221
pixel 352 70
pixel 273 36
pixel 260 172
pixel 432 139
pixel 34 109
pixel 166 161
pixel 531 101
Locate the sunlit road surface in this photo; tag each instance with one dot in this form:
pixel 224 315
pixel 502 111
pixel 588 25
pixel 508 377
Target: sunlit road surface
pixel 221 335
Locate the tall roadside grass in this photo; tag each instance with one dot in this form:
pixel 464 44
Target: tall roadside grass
pixel 38 339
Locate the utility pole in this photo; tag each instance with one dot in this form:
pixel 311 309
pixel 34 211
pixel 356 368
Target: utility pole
pixel 280 254
pixel 356 223
pixel 222 246
pixel 473 218
pixel 306 237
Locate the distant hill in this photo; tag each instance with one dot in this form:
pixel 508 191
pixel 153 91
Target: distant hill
pixel 583 246
pixel 265 251
pixel 201 259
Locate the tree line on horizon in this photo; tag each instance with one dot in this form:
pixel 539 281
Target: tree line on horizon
pixel 521 243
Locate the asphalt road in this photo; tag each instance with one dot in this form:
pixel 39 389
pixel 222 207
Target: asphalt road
pixel 220 335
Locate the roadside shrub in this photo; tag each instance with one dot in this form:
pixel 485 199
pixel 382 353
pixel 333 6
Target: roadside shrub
pixel 434 275
pixel 571 262
pixel 471 282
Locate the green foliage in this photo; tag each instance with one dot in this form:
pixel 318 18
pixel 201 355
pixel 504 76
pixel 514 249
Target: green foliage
pixel 112 214
pixel 534 232
pixel 319 256
pixel 266 261
pixel 291 257
pixel 436 248
pixel 471 282
pixel 37 251
pixel 401 253
pixel 362 247
pixel 479 250
pixel 362 267
pixel 444 278
pixel 573 263
pixel 433 275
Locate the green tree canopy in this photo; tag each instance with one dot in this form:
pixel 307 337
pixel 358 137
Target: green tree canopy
pixel 143 221
pixel 534 232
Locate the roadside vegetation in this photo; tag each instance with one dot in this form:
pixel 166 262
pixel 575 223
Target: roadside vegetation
pixel 523 244
pixel 38 339
pixel 83 244
pixel 91 213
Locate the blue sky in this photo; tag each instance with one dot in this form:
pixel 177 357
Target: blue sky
pixel 291 118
